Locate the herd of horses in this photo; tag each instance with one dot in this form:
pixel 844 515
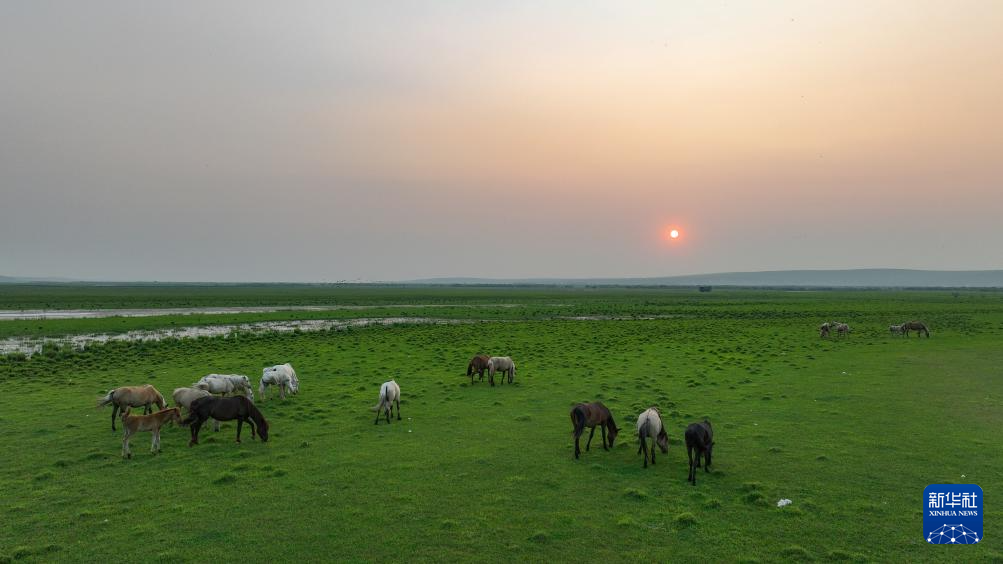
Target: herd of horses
pixel 236 402
pixel 842 329
pixel 699 437
pixel 202 404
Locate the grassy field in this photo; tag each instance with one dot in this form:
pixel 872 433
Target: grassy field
pixel 851 431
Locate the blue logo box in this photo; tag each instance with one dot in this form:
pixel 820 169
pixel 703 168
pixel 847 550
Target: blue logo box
pixel 952 514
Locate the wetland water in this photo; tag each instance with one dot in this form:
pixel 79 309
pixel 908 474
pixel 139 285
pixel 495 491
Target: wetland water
pixel 11 314
pixel 32 345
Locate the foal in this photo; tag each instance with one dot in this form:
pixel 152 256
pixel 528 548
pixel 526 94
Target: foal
pixel 136 423
pixel 589 415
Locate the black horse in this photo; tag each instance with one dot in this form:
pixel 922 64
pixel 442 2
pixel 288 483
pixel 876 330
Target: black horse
pixel 225 409
pixel 699 438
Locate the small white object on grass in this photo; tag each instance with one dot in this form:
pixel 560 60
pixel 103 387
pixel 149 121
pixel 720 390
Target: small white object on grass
pixel 784 502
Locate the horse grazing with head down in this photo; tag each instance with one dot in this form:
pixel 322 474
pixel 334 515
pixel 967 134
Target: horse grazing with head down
pixel 478 364
pixel 699 438
pixel 226 409
pixel 502 364
pixel 918 326
pixel 132 396
pixel 649 426
pixel 226 384
pixel 281 375
pixel 183 397
pixel 390 393
pixel 590 415
pixel 153 422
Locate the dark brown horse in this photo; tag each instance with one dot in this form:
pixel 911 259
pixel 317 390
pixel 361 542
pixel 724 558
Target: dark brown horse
pixel 699 438
pixel 918 326
pixel 477 364
pixel 225 409
pixel 589 415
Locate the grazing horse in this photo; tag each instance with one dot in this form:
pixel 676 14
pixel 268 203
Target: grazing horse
pixel 918 326
pixel 823 330
pixel 478 364
pixel 281 375
pixel 226 409
pixel 649 425
pixel 225 384
pixel 589 415
pixel 390 393
pixel 842 330
pixel 136 423
pixel 183 397
pixel 132 396
pixel 502 364
pixel 895 329
pixel 699 438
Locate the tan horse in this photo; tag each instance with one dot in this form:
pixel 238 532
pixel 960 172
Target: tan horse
pixel 918 326
pixel 136 423
pixel 132 396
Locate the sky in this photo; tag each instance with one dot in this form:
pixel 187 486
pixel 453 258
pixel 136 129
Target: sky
pixel 327 141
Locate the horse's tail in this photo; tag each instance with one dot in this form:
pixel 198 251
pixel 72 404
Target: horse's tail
pixel 383 400
pixel 577 419
pixel 106 400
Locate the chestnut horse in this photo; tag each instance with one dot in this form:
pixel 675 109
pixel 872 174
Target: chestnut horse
pixel 136 423
pixel 226 409
pixel 477 364
pixel 132 396
pixel 589 415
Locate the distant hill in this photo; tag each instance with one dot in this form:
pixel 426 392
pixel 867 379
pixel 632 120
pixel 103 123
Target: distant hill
pixel 856 278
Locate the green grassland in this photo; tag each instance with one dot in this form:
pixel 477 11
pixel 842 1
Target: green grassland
pixel 850 430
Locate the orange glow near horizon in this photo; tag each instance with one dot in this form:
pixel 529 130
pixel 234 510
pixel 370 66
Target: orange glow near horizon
pixel 672 233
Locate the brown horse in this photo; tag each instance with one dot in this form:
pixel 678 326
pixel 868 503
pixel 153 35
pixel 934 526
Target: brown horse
pixel 918 326
pixel 589 415
pixel 136 423
pixel 225 409
pixel 477 364
pixel 132 396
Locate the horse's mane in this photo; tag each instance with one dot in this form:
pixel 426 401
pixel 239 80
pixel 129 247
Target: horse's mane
pixel 253 411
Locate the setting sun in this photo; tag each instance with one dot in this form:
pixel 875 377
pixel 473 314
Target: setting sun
pixel 674 234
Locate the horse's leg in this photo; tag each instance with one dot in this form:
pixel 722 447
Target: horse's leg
pixel 389 407
pixel 215 425
pixel 240 423
pixel 398 402
pixel 114 412
pixel 153 443
pixel 147 409
pixel 195 432
pixel 379 412
pixel 706 461
pixel 588 445
pixel 578 434
pixel 691 475
pixel 603 427
pixel 125 444
pixel 644 448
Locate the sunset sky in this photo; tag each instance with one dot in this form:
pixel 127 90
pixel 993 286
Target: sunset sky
pixel 321 141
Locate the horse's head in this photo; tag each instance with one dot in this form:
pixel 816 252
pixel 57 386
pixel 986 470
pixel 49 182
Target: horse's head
pixel 263 430
pixel 160 401
pixel 663 441
pixel 175 415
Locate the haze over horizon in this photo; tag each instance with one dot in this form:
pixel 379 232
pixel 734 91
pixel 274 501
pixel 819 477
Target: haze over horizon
pixel 322 141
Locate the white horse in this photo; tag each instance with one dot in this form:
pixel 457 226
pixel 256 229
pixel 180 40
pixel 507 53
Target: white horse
pixel 185 396
pixel 502 364
pixel 896 330
pixel 225 384
pixel 390 393
pixel 281 375
pixel 649 426
pixel 842 329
